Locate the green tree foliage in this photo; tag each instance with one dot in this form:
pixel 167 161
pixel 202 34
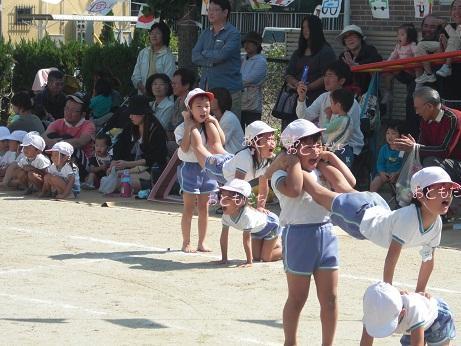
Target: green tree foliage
pixel 168 9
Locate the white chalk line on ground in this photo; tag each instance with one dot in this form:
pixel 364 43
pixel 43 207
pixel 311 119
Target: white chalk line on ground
pixel 175 253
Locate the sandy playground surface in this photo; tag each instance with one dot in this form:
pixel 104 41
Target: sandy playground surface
pixel 78 273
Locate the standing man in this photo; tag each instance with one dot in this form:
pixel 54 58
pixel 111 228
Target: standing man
pixel 217 52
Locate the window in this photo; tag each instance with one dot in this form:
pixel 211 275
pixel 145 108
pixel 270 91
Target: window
pixel 135 6
pixel 21 12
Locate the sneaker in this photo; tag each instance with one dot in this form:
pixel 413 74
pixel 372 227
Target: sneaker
pixel 444 71
pixel 425 78
pixel 87 186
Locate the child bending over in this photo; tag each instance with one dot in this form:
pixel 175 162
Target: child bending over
pixel 62 179
pixel 260 230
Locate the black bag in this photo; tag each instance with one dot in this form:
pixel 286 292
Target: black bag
pixel 285 106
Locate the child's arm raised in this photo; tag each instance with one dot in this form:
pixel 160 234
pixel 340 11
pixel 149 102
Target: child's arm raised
pixel 391 261
pixel 291 185
pixel 425 272
pixel 247 246
pixel 366 339
pixel 336 162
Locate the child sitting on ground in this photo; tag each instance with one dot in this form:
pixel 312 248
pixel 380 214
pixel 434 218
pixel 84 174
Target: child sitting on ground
pixel 339 128
pixel 389 160
pixel 62 178
pixel 365 215
pixel 99 163
pixel 4 133
pixel 420 318
pixel 13 141
pixel 260 230
pixel 407 38
pixel 31 165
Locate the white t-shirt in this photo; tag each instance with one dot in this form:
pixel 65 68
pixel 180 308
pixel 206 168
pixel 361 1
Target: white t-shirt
pixel 316 113
pixel 232 129
pixel 65 172
pixel 243 162
pixel 302 209
pixel 249 219
pixel 188 156
pixel 419 312
pixel 404 225
pixel 40 162
pixel 9 157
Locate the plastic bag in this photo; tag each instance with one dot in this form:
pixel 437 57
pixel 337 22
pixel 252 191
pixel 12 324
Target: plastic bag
pixel 109 183
pixel 411 166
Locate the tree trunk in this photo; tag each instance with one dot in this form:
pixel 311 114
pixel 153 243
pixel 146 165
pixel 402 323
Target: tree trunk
pixel 187 35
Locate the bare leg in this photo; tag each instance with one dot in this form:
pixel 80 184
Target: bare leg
pixel 256 248
pixel 271 250
pixel 327 283
pixel 35 180
pixel 335 178
pixel 202 207
pixel 10 172
pixel 186 220
pixel 376 184
pixel 46 188
pixel 58 184
pixel 320 194
pixel 298 291
pixel 213 139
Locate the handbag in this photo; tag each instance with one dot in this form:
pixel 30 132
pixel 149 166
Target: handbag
pixel 285 106
pixel 369 107
pixel 412 165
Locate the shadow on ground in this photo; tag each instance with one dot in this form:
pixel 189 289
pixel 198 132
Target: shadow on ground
pixel 269 323
pixel 36 320
pixel 136 323
pixel 136 260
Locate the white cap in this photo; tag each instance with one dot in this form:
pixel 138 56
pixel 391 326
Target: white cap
pixel 350 28
pixel 197 92
pixel 429 176
pixel 238 185
pixel 34 139
pixel 382 304
pixel 17 136
pixel 296 130
pixel 257 128
pixel 63 148
pixel 4 133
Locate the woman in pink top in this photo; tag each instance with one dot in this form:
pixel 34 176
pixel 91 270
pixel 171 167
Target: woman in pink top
pixel 407 38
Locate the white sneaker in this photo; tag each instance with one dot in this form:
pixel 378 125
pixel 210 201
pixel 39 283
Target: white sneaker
pixel 444 71
pixel 425 78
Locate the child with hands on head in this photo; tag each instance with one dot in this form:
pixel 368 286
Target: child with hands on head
pixel 195 184
pixel 365 215
pixel 31 164
pixel 421 318
pixel 260 230
pixel 62 179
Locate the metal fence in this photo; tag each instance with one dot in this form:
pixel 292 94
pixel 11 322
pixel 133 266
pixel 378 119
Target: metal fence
pixel 257 21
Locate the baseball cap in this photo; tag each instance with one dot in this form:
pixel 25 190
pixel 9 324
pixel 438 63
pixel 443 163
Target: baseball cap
pixel 430 176
pixel 238 185
pixel 382 304
pixel 296 130
pixel 4 133
pixel 139 105
pixel 17 136
pixel 63 148
pixel 34 139
pixel 196 92
pixel 77 97
pixel 257 128
pixel 350 28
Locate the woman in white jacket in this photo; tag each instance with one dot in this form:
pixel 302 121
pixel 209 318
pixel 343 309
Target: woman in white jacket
pixel 157 58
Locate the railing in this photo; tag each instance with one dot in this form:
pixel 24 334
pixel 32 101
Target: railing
pixel 257 21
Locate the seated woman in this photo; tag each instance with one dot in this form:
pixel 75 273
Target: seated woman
pixel 159 87
pixel 23 119
pixel 141 147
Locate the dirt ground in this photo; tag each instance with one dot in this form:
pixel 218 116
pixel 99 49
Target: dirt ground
pixel 78 273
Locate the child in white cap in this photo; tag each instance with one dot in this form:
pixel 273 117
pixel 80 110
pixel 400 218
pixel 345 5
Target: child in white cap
pixel 420 318
pixel 310 248
pixel 31 165
pixel 62 178
pixel 365 215
pixel 4 133
pixel 260 230
pixel 9 161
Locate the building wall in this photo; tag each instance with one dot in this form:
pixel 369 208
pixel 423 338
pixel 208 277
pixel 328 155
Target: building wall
pixel 400 11
pixel 15 32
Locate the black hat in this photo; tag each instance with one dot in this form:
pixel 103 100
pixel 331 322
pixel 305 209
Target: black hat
pixel 139 105
pixel 254 37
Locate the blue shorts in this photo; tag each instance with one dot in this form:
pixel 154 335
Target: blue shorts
pixel 194 180
pixel 347 210
pixel 214 164
pixel 441 331
pixel 310 247
pixel 271 231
